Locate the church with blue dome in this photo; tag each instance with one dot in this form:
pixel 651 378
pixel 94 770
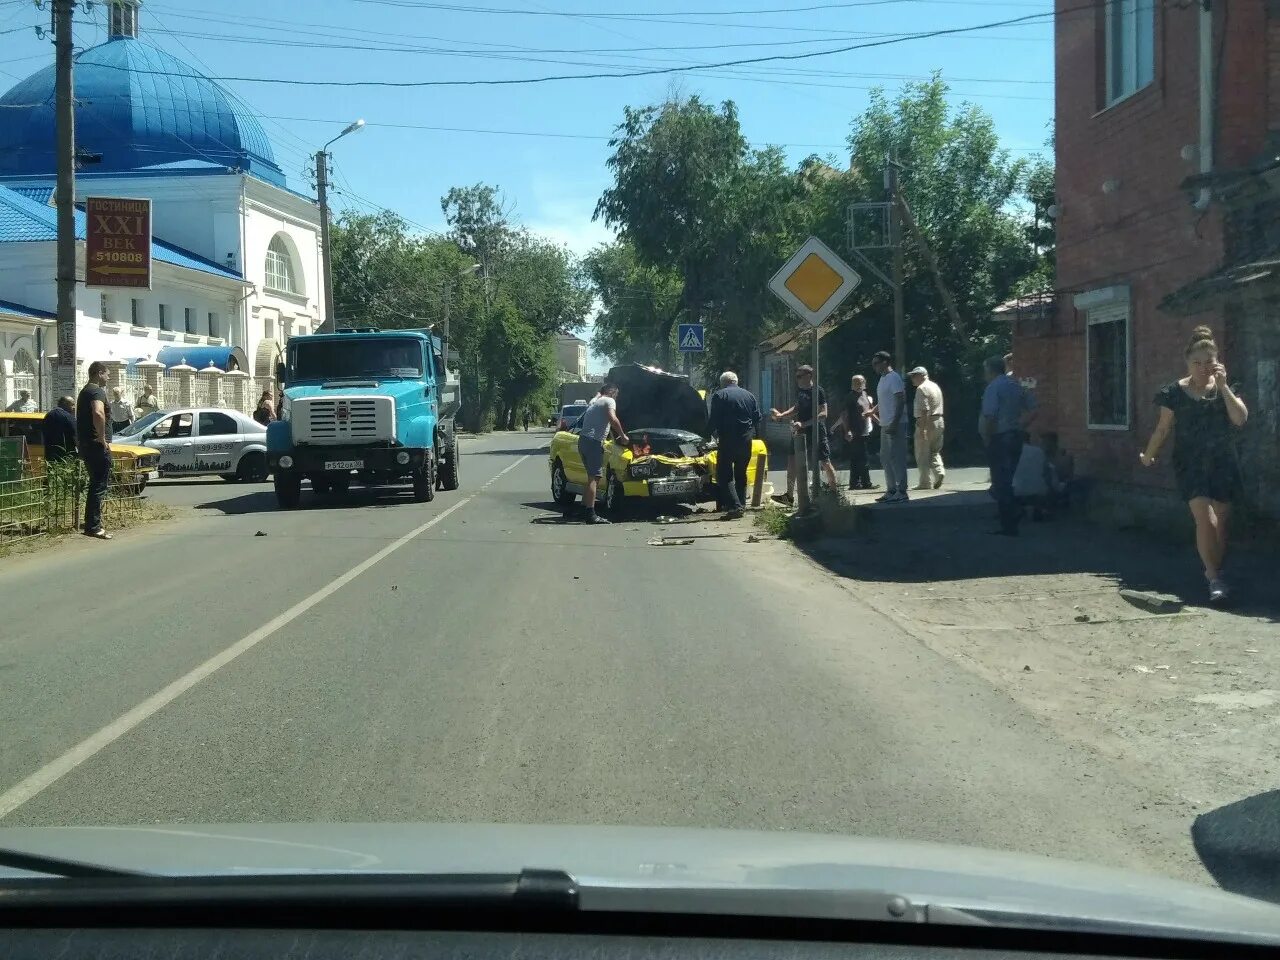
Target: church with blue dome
pixel 236 261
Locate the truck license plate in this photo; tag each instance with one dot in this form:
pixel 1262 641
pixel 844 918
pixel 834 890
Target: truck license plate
pixel 344 464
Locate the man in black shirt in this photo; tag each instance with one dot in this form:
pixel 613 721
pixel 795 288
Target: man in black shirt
pixel 735 414
pixel 59 431
pixel 93 433
pixel 802 414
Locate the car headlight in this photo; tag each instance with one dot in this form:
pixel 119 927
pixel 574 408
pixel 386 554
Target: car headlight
pixel 286 461
pixel 402 457
pixel 641 469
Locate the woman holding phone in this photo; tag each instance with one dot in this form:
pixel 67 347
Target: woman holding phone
pixel 1203 412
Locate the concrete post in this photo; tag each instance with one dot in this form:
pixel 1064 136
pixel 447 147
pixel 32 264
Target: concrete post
pixel 211 378
pixel 235 390
pixel 801 448
pixel 757 489
pixel 185 376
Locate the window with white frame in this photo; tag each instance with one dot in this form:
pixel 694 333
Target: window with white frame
pixel 24 371
pixel 1107 364
pixel 135 312
pixel 1130 29
pixel 280 273
pixel 162 312
pixel 214 330
pixel 104 307
pixel 189 320
pixel 268 328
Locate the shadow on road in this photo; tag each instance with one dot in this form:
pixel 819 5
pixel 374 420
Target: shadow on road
pixel 1239 845
pixel 264 501
pixel 910 543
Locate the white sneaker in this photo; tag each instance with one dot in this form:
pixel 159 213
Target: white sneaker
pixel 1218 591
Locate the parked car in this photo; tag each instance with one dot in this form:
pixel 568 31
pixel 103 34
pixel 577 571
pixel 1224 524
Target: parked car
pixel 569 415
pixel 198 441
pixel 671 455
pixel 128 460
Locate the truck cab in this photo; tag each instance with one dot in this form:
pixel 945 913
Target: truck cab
pixel 373 405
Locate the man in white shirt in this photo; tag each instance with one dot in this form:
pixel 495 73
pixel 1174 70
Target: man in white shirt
pixel 891 408
pixel 929 426
pixel 601 416
pixel 24 403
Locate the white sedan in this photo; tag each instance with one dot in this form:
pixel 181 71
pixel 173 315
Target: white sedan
pixel 197 441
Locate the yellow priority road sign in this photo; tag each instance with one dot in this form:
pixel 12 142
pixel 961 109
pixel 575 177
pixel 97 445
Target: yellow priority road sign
pixel 814 281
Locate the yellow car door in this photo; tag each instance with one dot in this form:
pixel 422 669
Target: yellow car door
pixel 573 468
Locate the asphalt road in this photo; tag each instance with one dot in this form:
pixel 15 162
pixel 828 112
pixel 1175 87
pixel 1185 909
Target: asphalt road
pixel 478 659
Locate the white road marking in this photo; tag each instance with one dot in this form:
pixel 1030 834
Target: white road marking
pixel 56 769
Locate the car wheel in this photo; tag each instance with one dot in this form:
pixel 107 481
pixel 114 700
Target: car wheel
pixel 424 481
pixel 449 467
pixel 252 468
pixel 288 491
pixel 560 491
pixel 340 484
pixel 615 497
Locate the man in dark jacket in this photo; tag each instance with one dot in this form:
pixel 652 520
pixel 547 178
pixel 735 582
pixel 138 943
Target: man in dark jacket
pixel 735 415
pixel 59 431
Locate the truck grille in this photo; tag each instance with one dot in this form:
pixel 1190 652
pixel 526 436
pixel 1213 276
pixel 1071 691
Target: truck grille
pixel 337 420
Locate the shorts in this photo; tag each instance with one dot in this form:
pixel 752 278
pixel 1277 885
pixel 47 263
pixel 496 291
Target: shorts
pixel 592 454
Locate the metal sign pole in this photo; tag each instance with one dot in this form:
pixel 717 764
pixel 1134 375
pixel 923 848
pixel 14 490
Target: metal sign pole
pixel 817 371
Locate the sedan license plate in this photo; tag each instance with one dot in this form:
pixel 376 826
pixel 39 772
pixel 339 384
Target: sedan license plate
pixel 344 464
pixel 153 474
pixel 677 488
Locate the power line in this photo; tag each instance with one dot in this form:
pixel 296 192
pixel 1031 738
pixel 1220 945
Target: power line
pixel 649 15
pixel 289 81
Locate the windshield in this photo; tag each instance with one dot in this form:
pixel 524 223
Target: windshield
pixel 141 424
pixel 931 491
pixel 355 357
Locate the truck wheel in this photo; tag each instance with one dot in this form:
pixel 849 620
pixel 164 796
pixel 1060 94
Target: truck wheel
pixel 560 491
pixel 340 484
pixel 424 481
pixel 288 490
pixel 252 468
pixel 449 467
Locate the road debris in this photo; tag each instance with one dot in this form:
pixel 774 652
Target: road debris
pixel 1141 669
pixel 1155 602
pixel 260 534
pixel 670 541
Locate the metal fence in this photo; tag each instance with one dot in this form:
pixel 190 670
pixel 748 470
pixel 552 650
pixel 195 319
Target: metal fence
pixel 48 499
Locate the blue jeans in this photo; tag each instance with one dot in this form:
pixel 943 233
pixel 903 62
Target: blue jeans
pixel 893 457
pixel 97 463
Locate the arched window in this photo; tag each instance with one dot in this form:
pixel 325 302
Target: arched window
pixel 24 371
pixel 280 271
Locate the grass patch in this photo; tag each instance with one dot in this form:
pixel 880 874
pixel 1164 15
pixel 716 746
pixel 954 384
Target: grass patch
pixel 775 521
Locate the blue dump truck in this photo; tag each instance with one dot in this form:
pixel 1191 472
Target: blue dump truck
pixel 367 405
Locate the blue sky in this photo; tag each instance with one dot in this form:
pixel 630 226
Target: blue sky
pixel 549 159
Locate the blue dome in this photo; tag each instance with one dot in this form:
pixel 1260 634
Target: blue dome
pixel 138 107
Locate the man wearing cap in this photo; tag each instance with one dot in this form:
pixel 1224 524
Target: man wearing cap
pixel 928 413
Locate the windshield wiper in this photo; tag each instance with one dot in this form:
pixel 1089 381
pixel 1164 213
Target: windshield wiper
pixel 60 867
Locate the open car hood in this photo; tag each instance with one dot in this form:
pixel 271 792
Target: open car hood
pixel 652 399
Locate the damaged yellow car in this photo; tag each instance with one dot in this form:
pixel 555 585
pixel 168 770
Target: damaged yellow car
pixel 671 456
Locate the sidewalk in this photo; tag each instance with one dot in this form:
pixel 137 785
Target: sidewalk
pixel 1102 633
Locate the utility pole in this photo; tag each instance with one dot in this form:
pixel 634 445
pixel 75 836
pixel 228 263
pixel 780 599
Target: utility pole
pixel 329 323
pixel 64 374
pixel 895 241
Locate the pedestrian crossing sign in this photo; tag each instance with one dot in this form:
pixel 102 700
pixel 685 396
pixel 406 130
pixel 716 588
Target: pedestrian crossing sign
pixel 692 338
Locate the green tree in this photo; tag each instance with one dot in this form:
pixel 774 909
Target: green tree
pixel 638 304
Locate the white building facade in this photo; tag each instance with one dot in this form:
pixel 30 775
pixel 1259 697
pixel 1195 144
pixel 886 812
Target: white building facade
pixel 237 260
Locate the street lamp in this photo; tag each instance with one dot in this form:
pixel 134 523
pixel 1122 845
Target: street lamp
pixel 322 194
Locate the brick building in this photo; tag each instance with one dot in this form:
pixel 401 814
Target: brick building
pixel 1167 134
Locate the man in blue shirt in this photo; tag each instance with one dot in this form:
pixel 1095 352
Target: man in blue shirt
pixel 1001 428
pixel 735 415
